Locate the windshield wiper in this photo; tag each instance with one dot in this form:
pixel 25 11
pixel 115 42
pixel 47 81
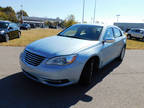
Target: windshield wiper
pixel 70 36
pixel 59 35
pixel 74 37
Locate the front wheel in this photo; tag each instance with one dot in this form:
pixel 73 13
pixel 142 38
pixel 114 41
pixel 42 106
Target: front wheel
pixel 6 38
pixel 129 36
pixel 87 74
pixel 122 54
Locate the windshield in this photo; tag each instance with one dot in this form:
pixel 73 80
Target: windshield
pixel 87 32
pixel 24 24
pixel 3 25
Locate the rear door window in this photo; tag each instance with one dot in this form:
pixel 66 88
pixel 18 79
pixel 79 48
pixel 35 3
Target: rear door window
pixel 137 31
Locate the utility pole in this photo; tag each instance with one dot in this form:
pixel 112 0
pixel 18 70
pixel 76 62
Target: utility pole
pixel 117 17
pixel 94 12
pixel 21 13
pixel 83 11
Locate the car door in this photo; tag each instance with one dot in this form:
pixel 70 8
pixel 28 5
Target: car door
pixel 140 34
pixel 133 33
pixel 16 30
pixel 108 49
pixel 137 33
pixel 118 44
pixel 10 31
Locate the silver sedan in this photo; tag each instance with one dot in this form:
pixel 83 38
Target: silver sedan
pixel 74 55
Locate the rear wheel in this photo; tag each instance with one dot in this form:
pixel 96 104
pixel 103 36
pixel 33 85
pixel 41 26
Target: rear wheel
pixel 6 38
pixel 88 72
pixel 143 39
pixel 19 35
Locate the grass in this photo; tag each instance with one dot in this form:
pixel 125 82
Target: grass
pixel 135 44
pixel 29 36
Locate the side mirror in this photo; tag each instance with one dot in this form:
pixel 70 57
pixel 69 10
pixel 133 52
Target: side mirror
pixel 109 40
pixel 10 28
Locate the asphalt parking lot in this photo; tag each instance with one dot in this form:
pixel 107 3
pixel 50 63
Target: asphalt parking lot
pixel 120 85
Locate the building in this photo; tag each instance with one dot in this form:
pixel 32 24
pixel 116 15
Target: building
pixel 127 26
pixel 38 21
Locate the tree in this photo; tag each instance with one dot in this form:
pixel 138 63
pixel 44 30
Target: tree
pixel 3 16
pixel 56 23
pixel 85 22
pixel 20 13
pixel 62 24
pixel 58 19
pixel 8 14
pixel 70 20
pixel 48 23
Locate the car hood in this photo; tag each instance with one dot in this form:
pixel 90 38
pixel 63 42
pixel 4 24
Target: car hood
pixel 58 45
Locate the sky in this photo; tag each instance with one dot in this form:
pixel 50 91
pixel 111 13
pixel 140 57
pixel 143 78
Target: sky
pixel 106 10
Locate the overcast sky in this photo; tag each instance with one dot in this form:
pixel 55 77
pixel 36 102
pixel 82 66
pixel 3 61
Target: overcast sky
pixel 106 11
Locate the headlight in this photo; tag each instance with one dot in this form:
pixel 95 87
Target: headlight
pixel 2 32
pixel 62 60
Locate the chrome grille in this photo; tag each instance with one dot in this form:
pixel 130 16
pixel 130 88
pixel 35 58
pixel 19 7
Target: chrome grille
pixel 32 59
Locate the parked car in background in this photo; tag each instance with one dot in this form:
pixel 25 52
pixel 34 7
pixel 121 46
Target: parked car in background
pixel 52 27
pixel 74 55
pixel 25 26
pixel 9 30
pixel 33 25
pixel 136 33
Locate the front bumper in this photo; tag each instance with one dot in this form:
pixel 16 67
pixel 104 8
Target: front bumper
pixel 53 75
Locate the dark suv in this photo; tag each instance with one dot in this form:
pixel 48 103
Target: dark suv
pixel 25 26
pixel 9 30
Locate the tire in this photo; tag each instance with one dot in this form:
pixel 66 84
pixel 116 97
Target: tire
pixel 19 35
pixel 143 39
pixel 122 54
pixel 87 74
pixel 129 36
pixel 6 38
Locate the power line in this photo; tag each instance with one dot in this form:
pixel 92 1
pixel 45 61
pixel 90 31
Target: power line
pixel 117 17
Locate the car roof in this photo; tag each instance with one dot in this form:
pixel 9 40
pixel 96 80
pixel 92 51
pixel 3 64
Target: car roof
pixel 103 25
pixel 5 21
pixel 137 29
